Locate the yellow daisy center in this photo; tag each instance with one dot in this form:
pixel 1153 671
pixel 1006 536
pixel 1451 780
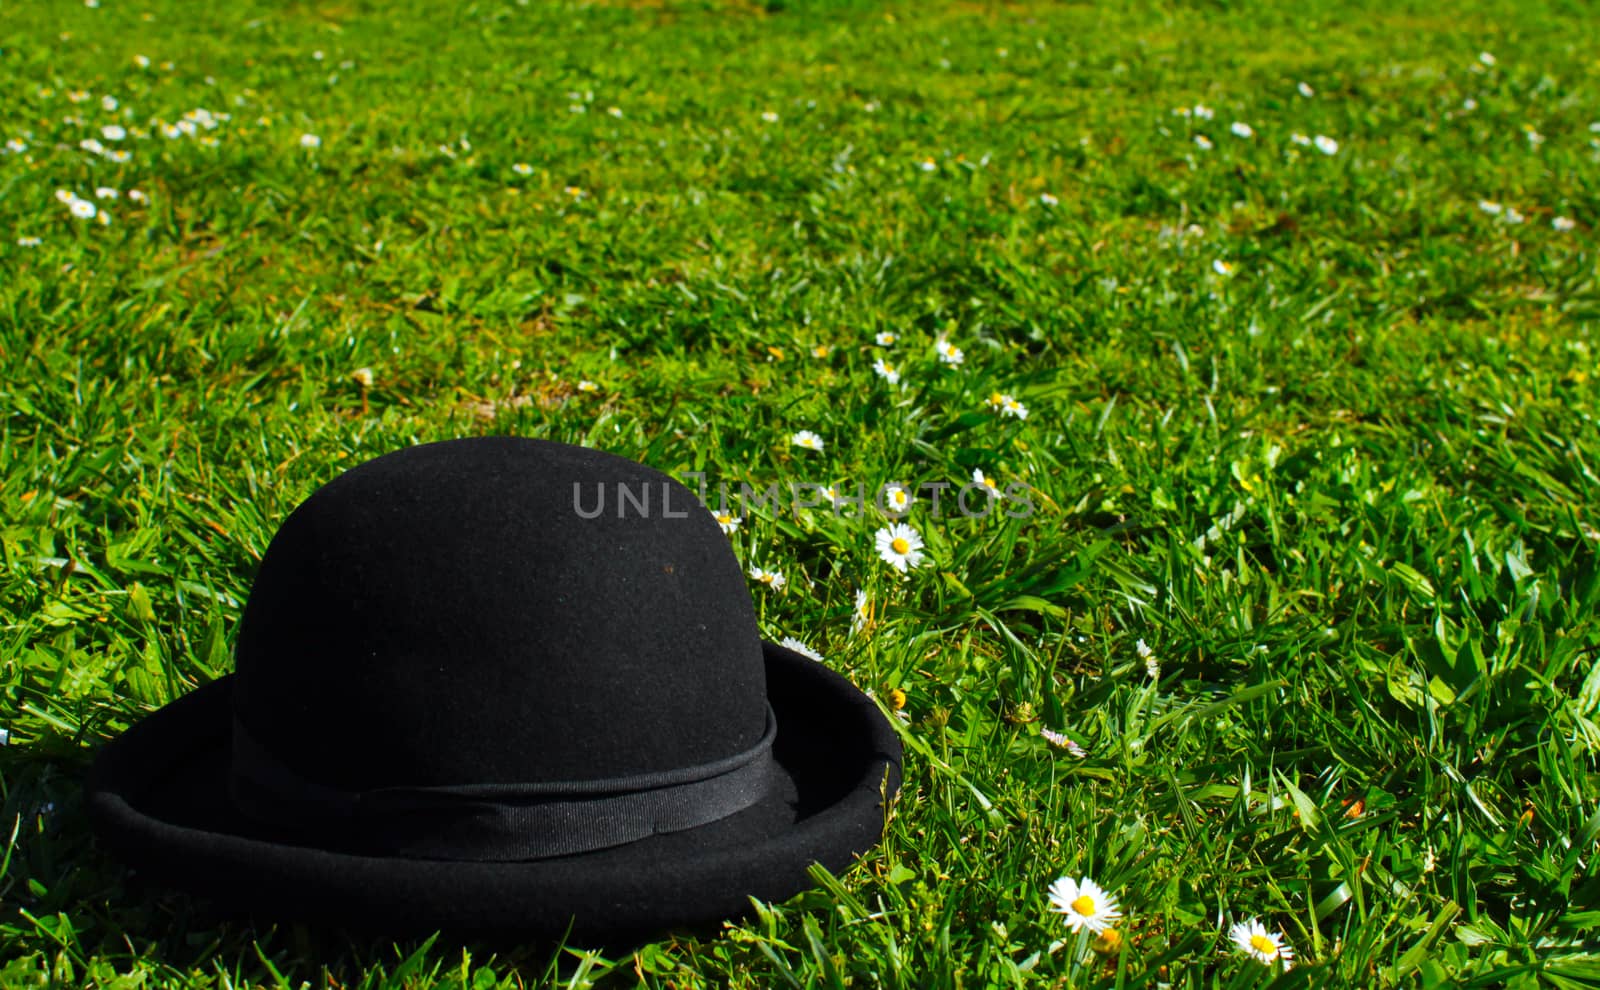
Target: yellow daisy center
pixel 1266 946
pixel 996 399
pixel 724 518
pixel 899 545
pixel 1084 905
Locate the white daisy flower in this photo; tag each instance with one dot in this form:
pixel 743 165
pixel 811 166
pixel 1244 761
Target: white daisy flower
pixel 769 116
pixel 585 385
pixel 92 146
pixel 1265 947
pixel 789 642
pixel 106 192
pixel 1490 207
pixel 1326 144
pixel 1305 90
pixel 118 156
pixel 1486 58
pixel 860 614
pixel 1242 129
pixel 771 579
pixel 885 339
pixel 806 440
pixel 897 500
pixel 522 168
pixel 900 546
pixel 189 127
pixel 26 241
pixel 142 61
pixel 1061 740
pixel 171 132
pixel 82 209
pixel 1203 142
pixel 108 103
pixel 1085 903
pixel 1203 112
pixel 894 700
pixel 821 351
pixel 576 192
pixel 614 111
pixel 985 482
pixel 1048 200
pixel 77 95
pixel 104 218
pixel 1300 139
pixel 1534 138
pixel 928 165
pixel 1222 268
pixel 113 132
pixel 1469 104
pixel 1512 216
pixel 727 521
pixel 16 146
pixel 1563 224
pixel 949 353
pixel 66 196
pixel 137 196
pixel 310 141
pixel 886 371
pixel 362 377
pixel 1152 666
pixel 1006 405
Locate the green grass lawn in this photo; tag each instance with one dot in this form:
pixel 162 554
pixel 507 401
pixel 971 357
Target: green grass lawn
pixel 1310 417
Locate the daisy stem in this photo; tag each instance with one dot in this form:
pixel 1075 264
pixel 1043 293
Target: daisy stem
pixel 1080 950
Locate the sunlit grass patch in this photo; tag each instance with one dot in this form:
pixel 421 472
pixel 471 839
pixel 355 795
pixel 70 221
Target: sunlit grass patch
pixel 1253 351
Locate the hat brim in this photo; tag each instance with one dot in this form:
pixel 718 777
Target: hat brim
pixel 158 796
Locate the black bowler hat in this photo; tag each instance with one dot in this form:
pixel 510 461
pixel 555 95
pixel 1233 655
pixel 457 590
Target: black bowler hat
pixel 501 685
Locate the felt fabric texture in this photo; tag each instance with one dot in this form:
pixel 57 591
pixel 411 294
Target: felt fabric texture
pixel 460 614
pixel 445 613
pixel 159 800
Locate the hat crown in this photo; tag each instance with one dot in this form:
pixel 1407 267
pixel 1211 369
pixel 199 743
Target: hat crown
pixel 499 610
